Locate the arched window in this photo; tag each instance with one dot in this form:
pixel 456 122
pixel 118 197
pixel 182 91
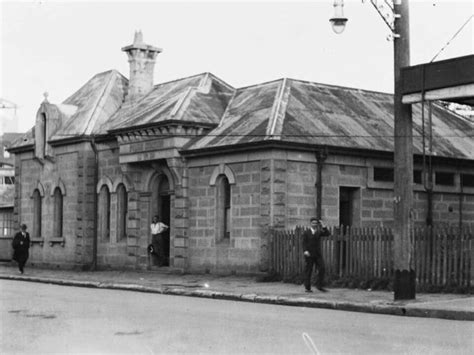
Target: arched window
pixel 36 214
pixel 44 133
pixel 223 208
pixel 122 209
pixel 40 135
pixel 58 213
pixel 103 211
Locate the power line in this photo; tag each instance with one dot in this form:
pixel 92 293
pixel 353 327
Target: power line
pixel 275 135
pixel 447 44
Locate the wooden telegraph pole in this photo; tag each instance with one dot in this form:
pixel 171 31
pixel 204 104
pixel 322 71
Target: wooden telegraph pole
pixel 397 19
pixel 404 281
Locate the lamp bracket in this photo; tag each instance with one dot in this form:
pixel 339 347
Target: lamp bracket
pixel 386 11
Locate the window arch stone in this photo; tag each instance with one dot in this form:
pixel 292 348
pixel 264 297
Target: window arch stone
pixel 150 180
pixel 59 184
pixel 222 169
pixel 40 188
pixel 122 179
pixel 105 180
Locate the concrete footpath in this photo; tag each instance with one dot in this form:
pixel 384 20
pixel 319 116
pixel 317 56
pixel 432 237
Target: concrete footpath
pixel 247 289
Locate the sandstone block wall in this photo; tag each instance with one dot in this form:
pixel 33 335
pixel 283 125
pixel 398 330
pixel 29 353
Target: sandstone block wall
pixel 241 252
pixel 63 171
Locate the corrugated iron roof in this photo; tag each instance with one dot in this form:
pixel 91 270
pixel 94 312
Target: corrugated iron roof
pixel 296 111
pixel 96 102
pixel 97 107
pixel 198 99
pixel 84 112
pixel 285 110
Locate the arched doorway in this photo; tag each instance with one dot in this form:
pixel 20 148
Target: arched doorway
pixel 161 206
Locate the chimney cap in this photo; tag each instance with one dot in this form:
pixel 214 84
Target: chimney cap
pixel 138 44
pixel 138 39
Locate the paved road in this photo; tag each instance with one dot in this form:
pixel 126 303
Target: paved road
pixel 40 318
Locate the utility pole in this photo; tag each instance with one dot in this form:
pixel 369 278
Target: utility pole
pixel 404 281
pixel 396 16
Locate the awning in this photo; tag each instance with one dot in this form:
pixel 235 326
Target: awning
pixel 448 80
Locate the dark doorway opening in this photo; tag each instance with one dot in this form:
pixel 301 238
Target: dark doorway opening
pixel 349 216
pixel 161 206
pixel 165 218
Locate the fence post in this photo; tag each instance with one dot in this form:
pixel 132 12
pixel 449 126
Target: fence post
pixel 470 261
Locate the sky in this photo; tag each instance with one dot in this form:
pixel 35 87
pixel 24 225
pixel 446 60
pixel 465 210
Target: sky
pixel 57 46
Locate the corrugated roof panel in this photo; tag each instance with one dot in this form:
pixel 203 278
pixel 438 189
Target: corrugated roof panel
pixel 142 111
pixel 206 108
pixel 96 101
pixel 453 135
pixel 248 111
pixel 334 116
pixel 181 99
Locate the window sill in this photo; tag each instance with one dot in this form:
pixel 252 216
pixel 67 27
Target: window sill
pixel 53 241
pixel 39 241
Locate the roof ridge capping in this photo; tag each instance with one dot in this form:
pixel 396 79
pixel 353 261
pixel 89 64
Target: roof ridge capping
pixel 277 114
pixel 204 74
pixel 333 86
pixel 313 83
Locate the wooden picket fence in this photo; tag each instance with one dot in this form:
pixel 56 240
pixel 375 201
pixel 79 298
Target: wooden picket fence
pixel 441 256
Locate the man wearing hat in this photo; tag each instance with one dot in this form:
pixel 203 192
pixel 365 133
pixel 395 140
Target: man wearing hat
pixel 21 246
pixel 312 253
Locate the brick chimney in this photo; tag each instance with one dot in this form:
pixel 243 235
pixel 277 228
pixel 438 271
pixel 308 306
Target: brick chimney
pixel 141 57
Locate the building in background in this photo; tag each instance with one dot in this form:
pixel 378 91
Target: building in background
pixel 7 194
pixel 220 165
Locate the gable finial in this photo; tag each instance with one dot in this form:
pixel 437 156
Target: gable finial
pixel 45 94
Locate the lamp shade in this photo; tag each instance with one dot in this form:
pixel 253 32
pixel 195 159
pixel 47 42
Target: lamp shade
pixel 338 21
pixel 338 24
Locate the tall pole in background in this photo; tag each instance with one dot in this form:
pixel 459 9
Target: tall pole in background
pixel 396 17
pixel 404 281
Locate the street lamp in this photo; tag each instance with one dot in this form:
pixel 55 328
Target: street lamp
pixel 338 22
pixel 396 16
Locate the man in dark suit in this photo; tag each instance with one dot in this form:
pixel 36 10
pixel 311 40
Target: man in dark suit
pixel 21 246
pixel 313 255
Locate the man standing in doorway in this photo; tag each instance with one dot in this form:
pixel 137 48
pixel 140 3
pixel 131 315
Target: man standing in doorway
pixel 157 229
pixel 313 255
pixel 21 246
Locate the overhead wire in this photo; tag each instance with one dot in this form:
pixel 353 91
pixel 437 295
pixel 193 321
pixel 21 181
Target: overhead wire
pixel 449 42
pixel 276 135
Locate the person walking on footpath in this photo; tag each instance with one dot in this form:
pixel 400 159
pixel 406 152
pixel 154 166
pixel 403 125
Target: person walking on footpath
pixel 157 229
pixel 21 246
pixel 312 253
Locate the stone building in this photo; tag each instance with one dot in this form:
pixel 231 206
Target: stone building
pixel 219 165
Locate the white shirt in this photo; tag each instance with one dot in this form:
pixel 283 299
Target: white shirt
pixel 157 228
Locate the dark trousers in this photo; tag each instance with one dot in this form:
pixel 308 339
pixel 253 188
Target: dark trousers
pixel 21 265
pixel 312 261
pixel 20 257
pixel 157 241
